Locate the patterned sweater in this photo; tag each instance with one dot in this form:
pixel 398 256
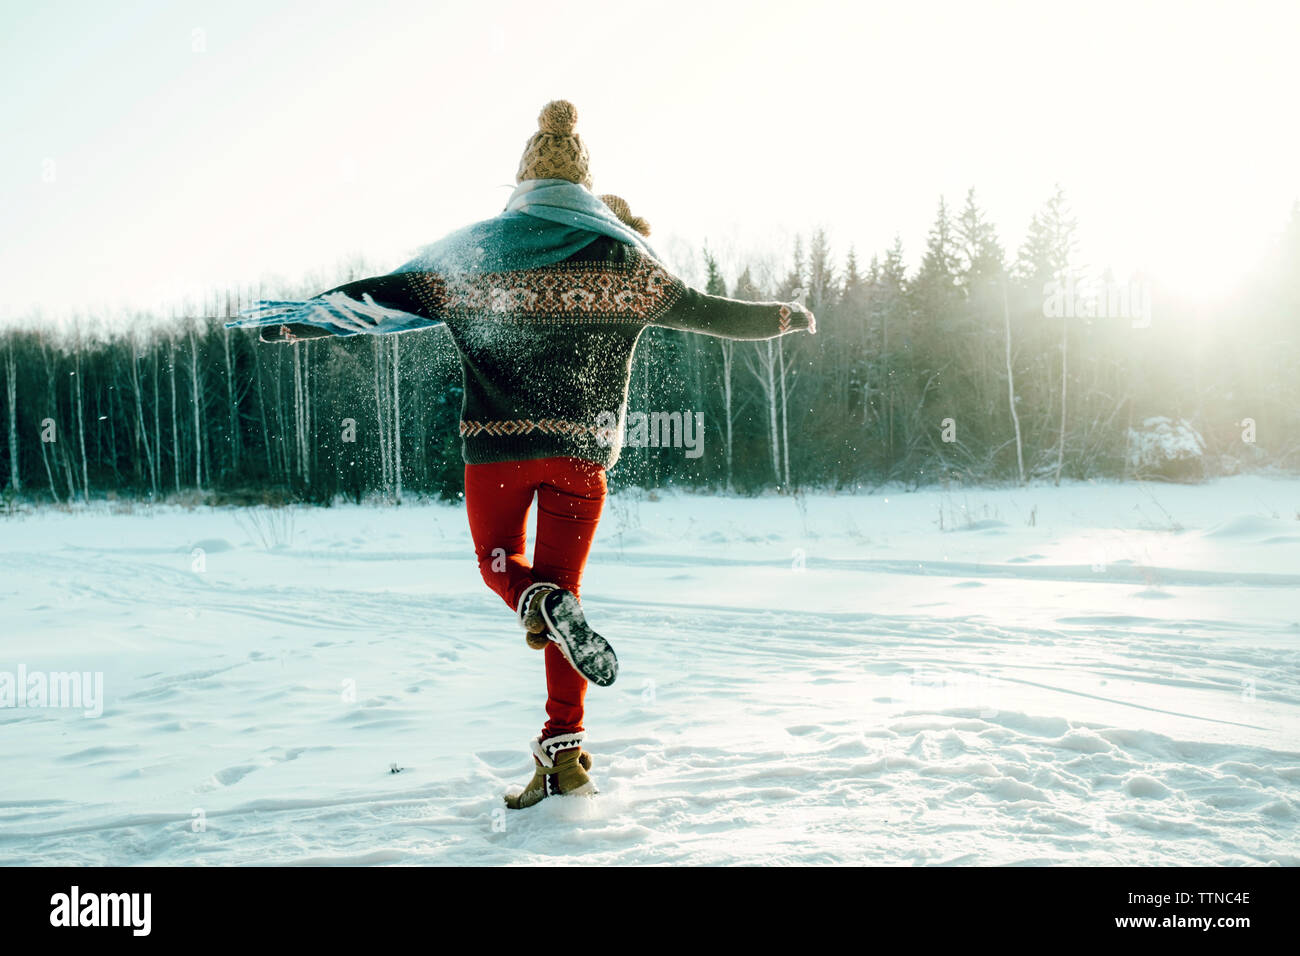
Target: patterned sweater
pixel 547 353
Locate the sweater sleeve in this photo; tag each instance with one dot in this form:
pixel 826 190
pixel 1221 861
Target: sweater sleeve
pixel 398 292
pixel 696 311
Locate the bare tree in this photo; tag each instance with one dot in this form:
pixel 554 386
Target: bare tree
pixel 762 365
pixel 261 411
pixel 379 415
pixel 282 458
pixel 728 347
pixel 67 469
pixel 112 421
pixel 198 411
pixel 139 408
pixel 1065 379
pixel 397 420
pixel 157 414
pixel 51 417
pixel 11 388
pixel 176 435
pixel 303 412
pixel 785 418
pixel 308 377
pixel 79 402
pixel 1011 385
pixel 300 407
pixel 232 403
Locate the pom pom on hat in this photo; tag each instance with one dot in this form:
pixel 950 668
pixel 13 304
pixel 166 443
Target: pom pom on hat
pixel 619 207
pixel 558 118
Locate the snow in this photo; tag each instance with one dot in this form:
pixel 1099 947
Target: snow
pixel 822 679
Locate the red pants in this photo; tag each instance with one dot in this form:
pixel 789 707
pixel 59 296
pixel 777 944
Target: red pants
pixel 570 494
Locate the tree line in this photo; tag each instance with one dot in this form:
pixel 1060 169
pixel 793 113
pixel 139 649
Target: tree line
pixel 977 366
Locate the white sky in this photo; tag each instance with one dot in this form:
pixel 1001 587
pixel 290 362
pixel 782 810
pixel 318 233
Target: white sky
pixel 299 134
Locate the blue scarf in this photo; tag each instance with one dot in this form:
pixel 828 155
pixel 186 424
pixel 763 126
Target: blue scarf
pixel 544 222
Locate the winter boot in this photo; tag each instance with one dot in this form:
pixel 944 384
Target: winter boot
pixel 530 614
pixel 566 625
pixel 561 770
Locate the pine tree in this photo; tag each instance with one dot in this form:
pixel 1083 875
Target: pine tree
pixel 1048 251
pixel 981 254
pixel 1046 259
pixel 821 273
pixel 853 291
pixel 935 287
pixel 983 324
pixel 714 284
pixel 796 278
pixel 888 316
pixel 893 273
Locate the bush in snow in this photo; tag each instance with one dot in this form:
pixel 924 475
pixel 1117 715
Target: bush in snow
pixel 1166 448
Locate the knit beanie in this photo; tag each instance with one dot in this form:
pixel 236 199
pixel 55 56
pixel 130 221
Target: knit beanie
pixel 555 151
pixel 619 207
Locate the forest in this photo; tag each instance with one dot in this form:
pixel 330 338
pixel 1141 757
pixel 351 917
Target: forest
pixel 980 365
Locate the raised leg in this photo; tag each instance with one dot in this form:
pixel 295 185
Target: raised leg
pixel 569 504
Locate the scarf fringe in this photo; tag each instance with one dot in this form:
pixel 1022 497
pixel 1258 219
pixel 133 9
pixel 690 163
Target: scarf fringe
pixel 336 311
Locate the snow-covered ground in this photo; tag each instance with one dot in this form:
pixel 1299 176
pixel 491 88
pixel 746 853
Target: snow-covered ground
pixel 1095 674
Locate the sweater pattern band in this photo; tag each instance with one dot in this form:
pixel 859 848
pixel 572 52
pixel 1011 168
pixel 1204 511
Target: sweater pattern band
pixel 525 426
pixel 569 292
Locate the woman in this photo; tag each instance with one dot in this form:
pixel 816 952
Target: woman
pixel 545 303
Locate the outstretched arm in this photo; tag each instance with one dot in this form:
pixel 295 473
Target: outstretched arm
pixel 697 311
pixel 379 304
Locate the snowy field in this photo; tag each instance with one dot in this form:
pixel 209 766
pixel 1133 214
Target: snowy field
pixel 1095 674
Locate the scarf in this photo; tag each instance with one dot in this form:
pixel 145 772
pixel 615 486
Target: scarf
pixel 545 221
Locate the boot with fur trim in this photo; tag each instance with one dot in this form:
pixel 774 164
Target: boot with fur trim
pixel 530 614
pixel 561 770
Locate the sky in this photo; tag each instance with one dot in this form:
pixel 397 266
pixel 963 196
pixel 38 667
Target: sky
pixel 152 151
